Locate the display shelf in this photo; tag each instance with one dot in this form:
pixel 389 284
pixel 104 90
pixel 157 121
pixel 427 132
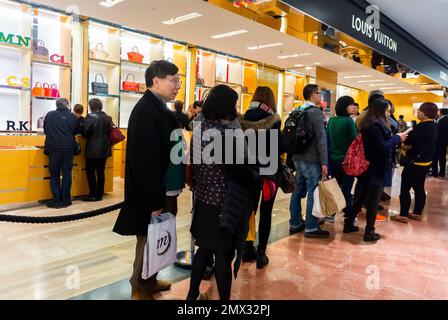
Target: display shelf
pixel 130 93
pixel 14 47
pixel 104 62
pixel 44 98
pixel 15 87
pixel 112 96
pixel 52 64
pixel 132 63
pixel 228 83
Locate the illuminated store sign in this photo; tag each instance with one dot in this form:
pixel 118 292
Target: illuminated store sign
pixel 368 30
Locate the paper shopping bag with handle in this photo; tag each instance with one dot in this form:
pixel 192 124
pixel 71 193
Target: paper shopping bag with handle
pixel 331 198
pixel 161 246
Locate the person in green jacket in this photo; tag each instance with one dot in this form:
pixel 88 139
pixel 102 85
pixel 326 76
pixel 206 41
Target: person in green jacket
pixel 341 132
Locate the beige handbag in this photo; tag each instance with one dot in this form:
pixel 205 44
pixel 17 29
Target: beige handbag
pixel 99 52
pixel 331 198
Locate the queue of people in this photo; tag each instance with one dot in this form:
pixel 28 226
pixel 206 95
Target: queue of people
pixel 226 195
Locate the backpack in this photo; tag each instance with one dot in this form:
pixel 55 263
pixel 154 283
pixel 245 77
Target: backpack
pixel 355 162
pixel 297 134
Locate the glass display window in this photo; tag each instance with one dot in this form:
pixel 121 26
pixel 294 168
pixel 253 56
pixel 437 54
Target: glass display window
pixel 104 43
pixel 205 69
pixel 135 48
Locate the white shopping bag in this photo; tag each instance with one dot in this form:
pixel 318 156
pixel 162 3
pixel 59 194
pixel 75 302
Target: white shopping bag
pixel 161 246
pixel 317 210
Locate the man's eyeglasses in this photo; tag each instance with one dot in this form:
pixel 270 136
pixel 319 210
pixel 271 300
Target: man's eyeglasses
pixel 176 82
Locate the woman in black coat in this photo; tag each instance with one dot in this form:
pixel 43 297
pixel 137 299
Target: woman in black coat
pixel 96 129
pixel 221 193
pixel 379 145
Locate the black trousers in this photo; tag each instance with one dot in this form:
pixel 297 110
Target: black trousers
pixel 95 169
pixel 369 195
pixel 223 272
pixel 264 226
pixel 413 177
pixel 439 163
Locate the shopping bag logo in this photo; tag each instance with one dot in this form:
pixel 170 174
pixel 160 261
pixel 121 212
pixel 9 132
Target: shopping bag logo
pixel 163 243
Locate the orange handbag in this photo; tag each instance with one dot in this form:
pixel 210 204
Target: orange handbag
pixel 135 56
pixel 38 91
pixel 47 90
pixel 130 85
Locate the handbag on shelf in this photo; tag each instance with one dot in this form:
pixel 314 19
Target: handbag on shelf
pixel 38 90
pixel 135 55
pixel 142 88
pixel 55 91
pixel 100 87
pixel 130 85
pixel 99 52
pixel 116 136
pixel 47 90
pixel 40 52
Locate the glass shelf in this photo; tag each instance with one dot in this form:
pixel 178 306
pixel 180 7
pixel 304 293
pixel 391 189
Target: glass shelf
pixel 131 93
pixel 106 62
pixel 15 88
pixel 132 63
pixel 14 47
pixel 104 95
pixel 44 98
pixel 52 64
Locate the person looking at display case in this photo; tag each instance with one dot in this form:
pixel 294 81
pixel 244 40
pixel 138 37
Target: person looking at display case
pixel 96 130
pixel 60 128
pixel 78 110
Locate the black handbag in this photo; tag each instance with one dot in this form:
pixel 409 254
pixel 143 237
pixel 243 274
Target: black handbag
pixel 100 87
pixel 287 178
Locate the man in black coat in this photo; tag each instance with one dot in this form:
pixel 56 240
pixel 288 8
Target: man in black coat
pixel 441 145
pixel 147 159
pixel 60 128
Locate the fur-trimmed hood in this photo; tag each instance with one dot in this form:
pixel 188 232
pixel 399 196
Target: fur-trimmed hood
pixel 266 123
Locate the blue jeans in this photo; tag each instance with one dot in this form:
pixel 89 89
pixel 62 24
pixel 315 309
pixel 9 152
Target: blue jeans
pixel 61 193
pixel 308 175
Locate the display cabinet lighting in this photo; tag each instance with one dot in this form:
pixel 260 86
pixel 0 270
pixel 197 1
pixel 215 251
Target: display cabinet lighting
pixel 110 3
pixel 229 34
pixel 263 46
pixel 183 18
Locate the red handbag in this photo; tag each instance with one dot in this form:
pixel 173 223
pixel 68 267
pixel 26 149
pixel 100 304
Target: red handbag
pixel 47 90
pixel 55 91
pixel 130 85
pixel 116 136
pixel 355 162
pixel 135 56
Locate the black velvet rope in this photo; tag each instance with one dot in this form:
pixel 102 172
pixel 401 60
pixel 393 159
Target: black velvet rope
pixel 59 219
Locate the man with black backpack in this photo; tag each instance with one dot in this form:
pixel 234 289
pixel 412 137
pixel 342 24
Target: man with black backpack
pixel 304 137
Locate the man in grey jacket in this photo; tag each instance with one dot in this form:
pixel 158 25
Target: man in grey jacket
pixel 310 165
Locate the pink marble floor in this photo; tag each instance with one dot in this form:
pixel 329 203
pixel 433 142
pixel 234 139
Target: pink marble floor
pixel 409 262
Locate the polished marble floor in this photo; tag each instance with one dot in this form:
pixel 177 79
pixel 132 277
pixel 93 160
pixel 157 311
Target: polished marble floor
pixel 409 262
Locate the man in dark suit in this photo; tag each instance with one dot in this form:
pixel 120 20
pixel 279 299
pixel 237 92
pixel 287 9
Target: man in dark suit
pixel 147 159
pixel 439 163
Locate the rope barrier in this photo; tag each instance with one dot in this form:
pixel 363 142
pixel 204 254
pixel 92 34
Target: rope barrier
pixel 60 219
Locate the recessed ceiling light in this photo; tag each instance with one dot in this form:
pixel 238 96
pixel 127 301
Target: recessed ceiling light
pixel 391 88
pixel 382 84
pixel 309 68
pixel 366 81
pixel 295 55
pixel 363 76
pixel 304 54
pixel 229 34
pixel 262 46
pixel 182 18
pixel 299 65
pixel 406 90
pixel 110 3
pixel 317 63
